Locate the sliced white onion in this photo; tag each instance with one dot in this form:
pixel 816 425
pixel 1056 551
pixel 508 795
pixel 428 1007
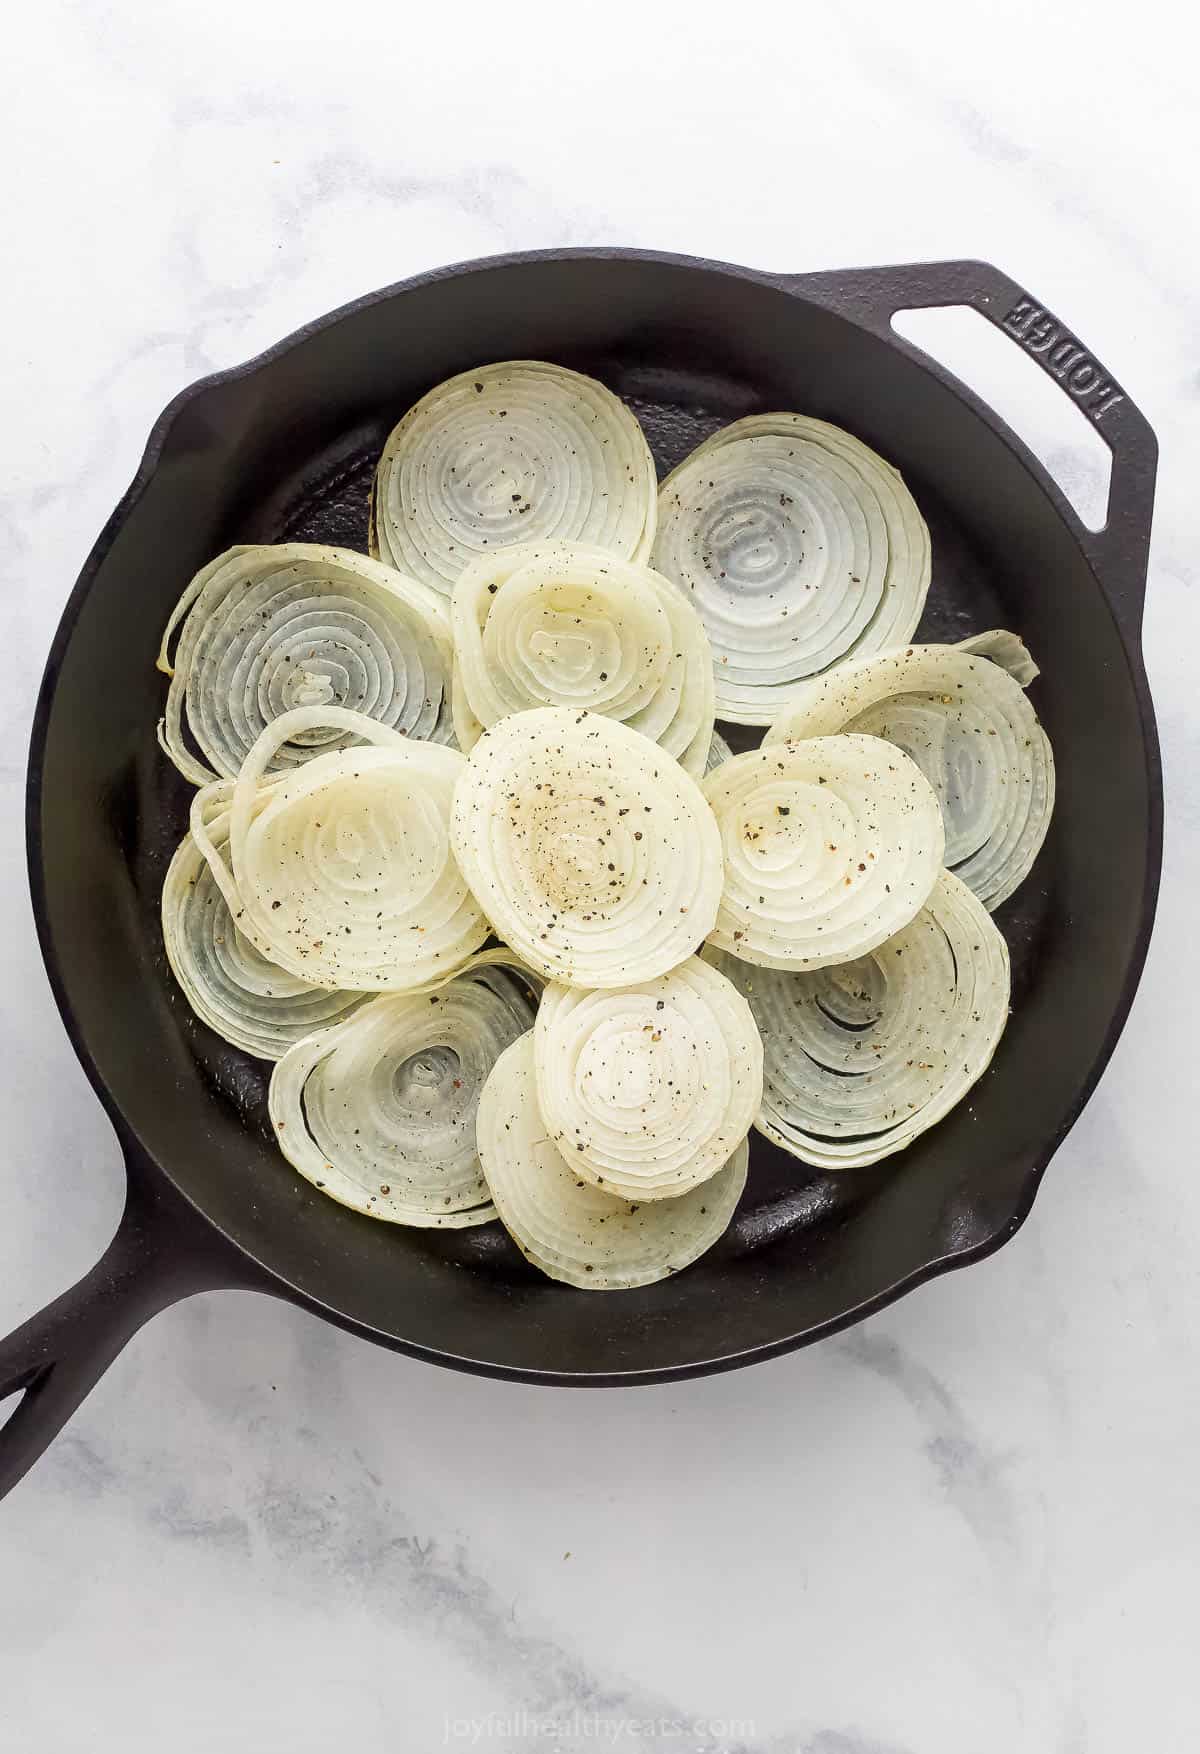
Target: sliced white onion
pixel 863 1057
pixel 267 629
pixel 342 873
pixel 245 998
pixel 379 1112
pixel 1006 649
pixel 961 714
pixel 718 751
pixel 569 625
pixel 647 1090
pixel 799 546
pixel 571 1230
pixel 520 451
pixel 591 851
pixel 467 729
pixel 830 847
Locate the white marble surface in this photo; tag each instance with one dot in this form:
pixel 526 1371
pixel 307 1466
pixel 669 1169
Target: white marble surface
pixel 970 1526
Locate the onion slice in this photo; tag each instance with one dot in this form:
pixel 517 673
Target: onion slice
pixel 520 451
pixel 1006 649
pixel 647 1090
pixel 341 871
pixel 379 1112
pixel 574 1232
pixel 961 713
pixel 799 546
pixel 592 853
pixel 830 847
pixel 262 630
pixel 718 751
pixel 569 625
pixel 862 1058
pixel 230 986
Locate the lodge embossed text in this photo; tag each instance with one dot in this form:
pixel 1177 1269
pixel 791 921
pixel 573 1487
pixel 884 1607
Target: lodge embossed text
pixel 1058 352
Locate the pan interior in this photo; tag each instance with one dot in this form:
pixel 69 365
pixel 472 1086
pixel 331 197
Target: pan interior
pixel 287 452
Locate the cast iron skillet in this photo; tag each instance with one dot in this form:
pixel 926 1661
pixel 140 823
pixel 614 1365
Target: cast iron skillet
pixel 284 447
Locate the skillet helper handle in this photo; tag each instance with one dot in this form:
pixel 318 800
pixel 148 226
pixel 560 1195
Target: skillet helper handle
pixel 1117 553
pixel 162 1252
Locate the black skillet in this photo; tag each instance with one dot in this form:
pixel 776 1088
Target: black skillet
pixel 284 447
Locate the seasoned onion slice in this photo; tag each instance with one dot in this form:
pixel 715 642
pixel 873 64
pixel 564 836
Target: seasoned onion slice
pixel 863 1057
pixel 262 630
pixel 1006 649
pixel 961 713
pixel 576 1232
pixel 799 546
pixel 520 451
pixel 647 1090
pixel 830 847
pixel 569 625
pixel 379 1112
pixel 230 986
pixel 592 853
pixel 341 871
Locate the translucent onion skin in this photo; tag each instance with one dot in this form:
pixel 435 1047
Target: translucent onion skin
pixel 237 992
pixel 718 751
pixel 593 854
pixel 830 846
pixel 799 547
pixel 961 714
pixel 516 452
pixel 262 630
pixel 343 872
pixel 569 625
pixel 864 1057
pixel 649 1089
pixel 379 1112
pixel 569 1229
pixel 1006 649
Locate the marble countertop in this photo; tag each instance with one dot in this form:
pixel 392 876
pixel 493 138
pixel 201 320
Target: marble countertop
pixel 969 1526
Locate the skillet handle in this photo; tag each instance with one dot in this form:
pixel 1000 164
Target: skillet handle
pixel 162 1252
pixel 1118 552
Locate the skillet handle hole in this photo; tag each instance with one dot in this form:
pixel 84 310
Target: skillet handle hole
pixel 11 1398
pixel 1038 408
